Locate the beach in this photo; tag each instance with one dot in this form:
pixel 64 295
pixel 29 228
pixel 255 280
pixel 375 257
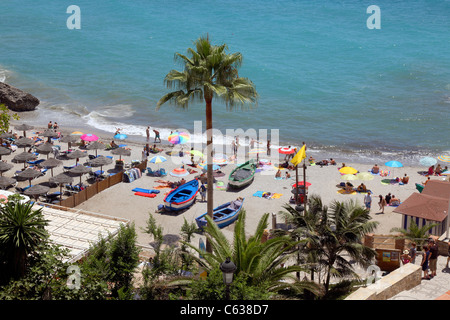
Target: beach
pixel 120 201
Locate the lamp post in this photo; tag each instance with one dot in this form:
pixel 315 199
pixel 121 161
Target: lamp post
pixel 228 268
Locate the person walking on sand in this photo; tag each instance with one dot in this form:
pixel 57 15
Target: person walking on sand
pixel 382 203
pixel 147 132
pixel 203 192
pixel 156 135
pixel 268 147
pixel 368 200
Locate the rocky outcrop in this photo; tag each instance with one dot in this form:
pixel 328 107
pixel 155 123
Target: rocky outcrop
pixel 16 99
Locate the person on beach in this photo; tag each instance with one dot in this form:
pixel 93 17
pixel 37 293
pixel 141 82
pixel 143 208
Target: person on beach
pixel 147 132
pixel 268 147
pixel 361 188
pixel 286 157
pixel 368 200
pixel 117 131
pixel 49 125
pixel 388 198
pixel 332 162
pixel 405 179
pixel 156 135
pixel 405 257
pixel 438 170
pixel 382 203
pixel 113 145
pixel 430 171
pixel 287 175
pixel 426 181
pixel 278 174
pixel 233 147
pixel 203 192
pixel 394 201
pixel 425 261
pixel 375 169
pixel 55 126
pixel 413 252
pixel 434 252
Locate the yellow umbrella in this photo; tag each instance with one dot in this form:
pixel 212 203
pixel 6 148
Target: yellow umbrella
pixel 364 176
pixel 348 170
pixel 348 177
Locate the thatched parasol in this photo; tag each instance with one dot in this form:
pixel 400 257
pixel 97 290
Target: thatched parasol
pixel 24 142
pixel 29 174
pixel 6 182
pixel 24 127
pixel 4 166
pixel 24 157
pixel 45 148
pixel 77 154
pixel 36 190
pixel 79 171
pixel 61 179
pixel 51 163
pixel 96 145
pixel 100 162
pixel 121 151
pixel 4 151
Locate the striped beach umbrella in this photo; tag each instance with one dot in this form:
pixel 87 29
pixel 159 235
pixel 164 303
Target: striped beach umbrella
pixel 157 159
pixel 179 172
pixel 444 158
pixel 179 137
pixel 286 150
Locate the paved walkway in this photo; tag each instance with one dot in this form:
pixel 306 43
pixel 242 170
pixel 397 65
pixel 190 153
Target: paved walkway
pixel 435 288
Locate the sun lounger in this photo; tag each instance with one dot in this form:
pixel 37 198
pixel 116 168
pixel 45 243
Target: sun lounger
pixel 145 194
pixel 145 190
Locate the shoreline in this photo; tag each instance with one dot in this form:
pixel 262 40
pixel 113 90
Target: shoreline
pixel 121 202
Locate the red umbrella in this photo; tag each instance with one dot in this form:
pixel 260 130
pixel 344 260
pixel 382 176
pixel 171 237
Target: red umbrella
pixel 285 150
pixel 300 183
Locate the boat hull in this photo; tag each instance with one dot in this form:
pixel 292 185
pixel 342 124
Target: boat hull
pixel 222 215
pixel 182 197
pixel 241 183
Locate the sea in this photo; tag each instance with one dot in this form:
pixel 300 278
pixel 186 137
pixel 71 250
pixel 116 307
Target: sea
pixel 362 80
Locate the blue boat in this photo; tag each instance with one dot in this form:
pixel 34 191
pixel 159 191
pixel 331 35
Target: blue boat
pixel 182 197
pixel 223 215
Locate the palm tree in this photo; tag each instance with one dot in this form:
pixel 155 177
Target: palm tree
pixel 415 233
pixel 22 229
pixel 261 262
pixel 342 231
pixel 208 72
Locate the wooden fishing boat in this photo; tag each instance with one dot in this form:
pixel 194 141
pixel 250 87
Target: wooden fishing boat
pixel 242 175
pixel 224 214
pixel 182 197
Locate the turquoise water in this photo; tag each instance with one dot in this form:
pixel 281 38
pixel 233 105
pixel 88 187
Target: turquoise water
pixel 323 77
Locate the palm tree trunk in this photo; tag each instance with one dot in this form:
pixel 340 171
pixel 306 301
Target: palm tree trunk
pixel 210 178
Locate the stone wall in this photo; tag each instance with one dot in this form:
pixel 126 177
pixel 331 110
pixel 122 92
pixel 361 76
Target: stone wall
pixel 404 278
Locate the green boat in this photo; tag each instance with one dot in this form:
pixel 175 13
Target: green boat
pixel 243 175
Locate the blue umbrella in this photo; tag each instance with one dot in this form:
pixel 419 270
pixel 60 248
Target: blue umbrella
pixel 428 161
pixel 120 136
pixel 394 164
pixel 157 159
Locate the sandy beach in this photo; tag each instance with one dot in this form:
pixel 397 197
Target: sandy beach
pixel 120 201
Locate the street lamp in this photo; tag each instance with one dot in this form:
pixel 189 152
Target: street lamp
pixel 228 268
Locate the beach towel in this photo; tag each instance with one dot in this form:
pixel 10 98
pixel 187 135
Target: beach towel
pixel 220 185
pixel 145 194
pixel 258 194
pixel 276 195
pixel 145 190
pixel 342 191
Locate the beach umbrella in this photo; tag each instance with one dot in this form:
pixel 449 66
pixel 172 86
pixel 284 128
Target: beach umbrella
pixel 428 161
pixel 61 179
pixel 204 166
pixel 24 127
pixel 120 136
pixel 4 166
pixel 79 171
pixel 348 177
pixel 366 176
pixel 393 164
pixel 96 145
pixel 24 157
pixel 6 182
pixel 37 190
pixel 77 133
pixel 300 183
pixel 179 172
pixel 157 159
pixel 121 152
pixel 49 134
pixel 51 163
pixel 179 137
pixel 45 148
pixel 348 170
pixel 196 153
pixel 24 142
pixel 6 135
pixel 89 137
pixel 77 154
pixel 257 151
pixel 29 174
pixel 220 159
pixel 69 139
pixel 4 151
pixel 444 158
pixel 286 150
pixel 100 162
